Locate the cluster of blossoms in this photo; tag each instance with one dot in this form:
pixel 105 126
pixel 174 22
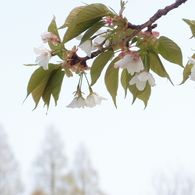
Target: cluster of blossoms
pixel 134 65
pixel 88 46
pixel 192 75
pixel 43 52
pixel 79 101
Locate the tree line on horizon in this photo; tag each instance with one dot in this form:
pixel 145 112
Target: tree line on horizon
pixel 53 176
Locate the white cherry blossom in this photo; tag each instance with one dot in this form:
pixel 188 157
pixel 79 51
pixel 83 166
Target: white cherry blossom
pixel 140 80
pixel 44 56
pixel 46 36
pixel 80 102
pixel 87 47
pixel 95 99
pixel 77 102
pixel 131 62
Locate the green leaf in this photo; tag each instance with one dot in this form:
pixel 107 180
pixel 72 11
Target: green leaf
pixel 53 29
pixel 71 17
pixel 93 29
pixel 88 16
pixel 30 64
pixel 53 86
pixel 98 65
pixel 187 71
pixel 111 80
pixel 191 23
pixel 157 66
pixel 170 50
pixel 142 95
pixel 125 78
pixel 44 83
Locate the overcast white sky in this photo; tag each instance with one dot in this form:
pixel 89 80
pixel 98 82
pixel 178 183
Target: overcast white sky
pixel 127 145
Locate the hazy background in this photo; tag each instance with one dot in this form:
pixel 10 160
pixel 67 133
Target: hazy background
pixel 128 145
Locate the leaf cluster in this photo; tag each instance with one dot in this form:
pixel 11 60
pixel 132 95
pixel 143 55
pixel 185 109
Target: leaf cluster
pixel 88 20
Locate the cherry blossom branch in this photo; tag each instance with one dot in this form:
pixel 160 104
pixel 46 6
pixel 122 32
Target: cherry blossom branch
pixel 138 28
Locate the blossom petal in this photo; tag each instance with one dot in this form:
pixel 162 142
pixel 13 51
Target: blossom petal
pixel 133 80
pixel 80 102
pixel 87 47
pixel 44 56
pixel 89 104
pixel 192 76
pixel 141 85
pixel 73 103
pixel 193 68
pixel 191 61
pixel 132 63
pixel 151 80
pixel 95 99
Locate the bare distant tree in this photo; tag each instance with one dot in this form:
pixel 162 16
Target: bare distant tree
pixel 50 165
pixel 177 184
pixel 86 178
pixel 10 182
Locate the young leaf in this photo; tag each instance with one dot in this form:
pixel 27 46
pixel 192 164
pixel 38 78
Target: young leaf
pixel 170 50
pixel 98 65
pixel 157 66
pixel 53 29
pixel 91 31
pixel 89 15
pixel 191 23
pixel 142 95
pixel 44 83
pixel 70 19
pixel 30 64
pixel 111 80
pixel 125 78
pixel 187 71
pixel 53 86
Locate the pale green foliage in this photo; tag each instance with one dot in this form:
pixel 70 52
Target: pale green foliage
pixel 51 164
pixel 10 181
pixel 85 176
pixel 53 175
